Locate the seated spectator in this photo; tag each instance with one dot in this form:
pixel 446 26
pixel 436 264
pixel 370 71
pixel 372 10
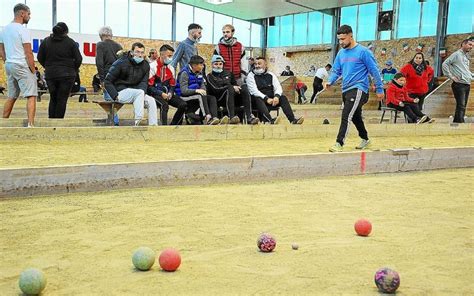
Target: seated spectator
pixel 266 92
pixel 152 55
pixel 161 85
pixel 287 72
pixel 77 87
pixel 301 88
pixel 223 85
pixel 191 87
pixel 251 64
pixel 397 98
pixel 311 72
pixel 127 82
pixel 96 83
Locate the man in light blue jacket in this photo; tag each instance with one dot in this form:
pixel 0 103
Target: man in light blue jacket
pixel 187 48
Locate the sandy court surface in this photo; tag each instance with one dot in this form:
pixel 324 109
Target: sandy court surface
pixel 423 228
pixel 39 153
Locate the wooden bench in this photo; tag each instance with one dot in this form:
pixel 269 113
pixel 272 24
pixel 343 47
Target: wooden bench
pixel 111 108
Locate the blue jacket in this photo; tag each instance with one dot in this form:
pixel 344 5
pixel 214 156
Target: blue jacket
pixel 355 65
pixel 188 82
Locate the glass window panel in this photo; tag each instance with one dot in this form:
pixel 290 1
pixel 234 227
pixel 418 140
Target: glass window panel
pixel 274 34
pixel 387 5
pixel 286 30
pixel 408 19
pixel 429 18
pixel 184 17
pixel 367 22
pixel 242 31
pixel 68 12
pixel 256 36
pixel 161 21
pixel 6 13
pixel 301 29
pixel 219 21
pixel 139 18
pixel 349 17
pixel 315 28
pixel 116 16
pixel 460 17
pixel 204 18
pixel 41 14
pixel 92 16
pixel 327 33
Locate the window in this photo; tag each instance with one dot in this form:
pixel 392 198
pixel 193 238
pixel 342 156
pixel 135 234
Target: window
pixel 367 22
pixel 116 16
pixel 460 17
pixel 204 18
pixel 429 18
pixel 68 12
pixel 386 5
pixel 161 21
pixel 92 16
pixel 219 21
pixel 286 30
pixel 242 31
pixel 315 25
pixel 274 34
pixel 301 29
pixel 256 40
pixel 184 17
pixel 327 33
pixel 349 17
pixel 408 19
pixel 41 14
pixel 139 25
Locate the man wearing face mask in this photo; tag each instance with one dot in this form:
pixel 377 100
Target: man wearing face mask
pixel 127 81
pixel 232 51
pixel 266 91
pixel 187 48
pixel 223 85
pixel 161 85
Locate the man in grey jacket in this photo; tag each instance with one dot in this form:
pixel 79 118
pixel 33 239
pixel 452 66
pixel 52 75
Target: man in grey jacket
pixel 187 48
pixel 106 54
pixel 456 67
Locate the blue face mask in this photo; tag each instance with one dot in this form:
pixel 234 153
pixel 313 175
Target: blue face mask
pixel 138 60
pixel 167 61
pixel 217 70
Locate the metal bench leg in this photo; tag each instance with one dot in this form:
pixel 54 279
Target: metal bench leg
pixel 383 114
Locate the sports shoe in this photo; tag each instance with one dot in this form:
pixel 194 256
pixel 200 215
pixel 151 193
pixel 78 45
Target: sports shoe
pixel 422 119
pixel 431 120
pixel 336 148
pixel 214 121
pixel 277 120
pixel 363 144
pixel 254 120
pixel 298 120
pixel 234 120
pixel 224 120
pixel 137 122
pixel 30 124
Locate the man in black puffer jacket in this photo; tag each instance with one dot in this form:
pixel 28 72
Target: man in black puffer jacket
pixel 127 82
pixel 223 85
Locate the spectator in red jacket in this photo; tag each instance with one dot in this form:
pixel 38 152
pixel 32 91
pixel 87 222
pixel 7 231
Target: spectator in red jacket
pixel 397 98
pixel 417 75
pixel 301 88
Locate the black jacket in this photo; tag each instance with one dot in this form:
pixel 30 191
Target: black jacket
pixel 218 82
pixel 126 73
pixel 59 56
pixel 106 55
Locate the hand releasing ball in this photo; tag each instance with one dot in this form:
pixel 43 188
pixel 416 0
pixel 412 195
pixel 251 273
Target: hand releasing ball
pixel 363 227
pixel 143 258
pixel 266 242
pixel 387 280
pixel 169 259
pixel 32 281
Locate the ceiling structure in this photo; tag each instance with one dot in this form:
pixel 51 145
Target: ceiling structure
pixel 260 9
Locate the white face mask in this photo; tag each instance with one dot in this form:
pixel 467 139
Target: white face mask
pixel 259 71
pixel 167 61
pixel 217 70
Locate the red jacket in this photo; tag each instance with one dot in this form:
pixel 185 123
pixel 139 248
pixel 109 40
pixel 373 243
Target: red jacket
pixel 232 56
pixel 156 71
pixel 416 84
pixel 299 85
pixel 396 94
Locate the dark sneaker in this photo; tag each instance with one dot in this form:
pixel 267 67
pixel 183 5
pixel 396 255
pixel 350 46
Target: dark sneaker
pixel 234 120
pixel 254 121
pixel 298 120
pixel 431 120
pixel 422 119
